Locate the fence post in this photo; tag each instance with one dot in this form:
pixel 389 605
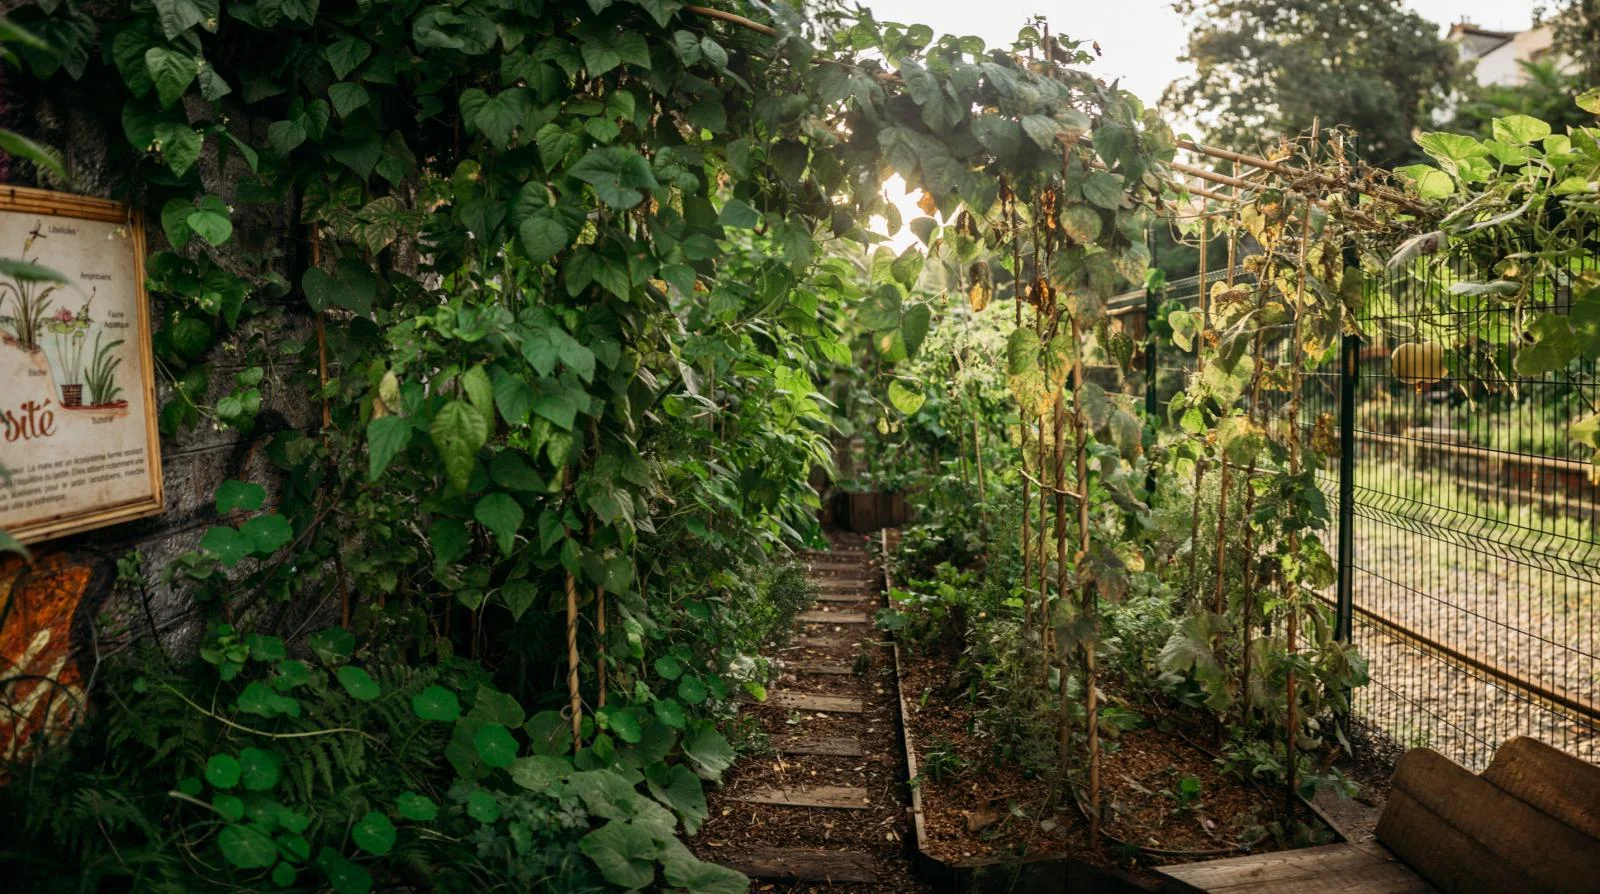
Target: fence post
pixel 1349 372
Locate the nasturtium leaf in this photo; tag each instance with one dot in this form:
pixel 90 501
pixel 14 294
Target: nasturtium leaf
pixel 227 544
pixel 230 807
pixel 267 533
pixel 458 431
pixel 344 876
pixel 222 771
pixel 692 690
pixel 267 648
pixel 358 683
pixel 493 706
pixel 625 724
pixel 239 495
pixel 417 807
pixel 387 436
pixel 436 703
pixel 495 745
pixel 246 847
pixel 332 645
pixel 258 769
pixel 669 668
pixel 670 712
pixel 708 750
pixel 483 806
pixel 374 834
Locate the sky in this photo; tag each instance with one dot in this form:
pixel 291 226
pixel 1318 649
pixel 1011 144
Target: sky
pixel 1141 39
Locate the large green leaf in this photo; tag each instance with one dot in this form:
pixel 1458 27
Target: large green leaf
pixel 624 853
pixel 618 175
pixel 246 847
pixel 386 437
pixel 458 431
pixel 171 71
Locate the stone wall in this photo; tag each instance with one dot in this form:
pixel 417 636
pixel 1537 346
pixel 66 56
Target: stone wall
pixel 68 609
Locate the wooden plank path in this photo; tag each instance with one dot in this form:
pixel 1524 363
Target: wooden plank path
pixel 832 721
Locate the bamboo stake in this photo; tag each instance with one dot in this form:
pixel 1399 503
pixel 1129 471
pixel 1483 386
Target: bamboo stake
pixel 572 663
pixel 1200 460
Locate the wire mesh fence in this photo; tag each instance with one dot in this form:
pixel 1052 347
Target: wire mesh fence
pixel 1473 558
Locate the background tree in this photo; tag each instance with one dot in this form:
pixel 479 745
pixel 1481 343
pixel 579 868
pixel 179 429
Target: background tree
pixel 1266 68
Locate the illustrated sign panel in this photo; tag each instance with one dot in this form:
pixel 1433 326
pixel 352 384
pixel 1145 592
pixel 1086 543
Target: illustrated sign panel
pixel 78 439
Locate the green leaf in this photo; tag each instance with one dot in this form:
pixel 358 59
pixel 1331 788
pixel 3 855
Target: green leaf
pixel 351 286
pixel 358 683
pixel 624 853
pixel 1103 189
pixel 210 221
pixel 677 787
pixel 344 876
pixel 518 596
pixel 458 431
pixel 626 726
pixel 483 806
pixel 227 544
pixel 914 326
pixel 881 310
pixel 346 55
pixel 266 534
pixel 560 407
pixel 180 146
pixel 671 713
pixel 543 235
pixel 692 690
pixel 417 807
pixel 386 437
pixel 178 16
pixel 246 847
pixel 539 772
pixel 332 645
pixel 503 516
pixel 239 495
pixel 267 648
pixel 905 399
pixel 346 97
pixel 709 751
pixel 669 668
pixel 1521 129
pixel 222 771
pixel 1431 182
pixel 230 806
pixel 374 833
pixel 171 71
pixel 618 175
pixel 1589 100
pixel 495 745
pixel 175 222
pixel 738 214
pixel 1042 130
pixel 258 769
pixel 436 703
pixel 491 705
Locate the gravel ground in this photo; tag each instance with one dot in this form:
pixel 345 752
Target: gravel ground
pixel 1514 597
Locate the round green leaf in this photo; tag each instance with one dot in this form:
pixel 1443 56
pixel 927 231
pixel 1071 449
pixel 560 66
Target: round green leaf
pixel 483 807
pixel 229 806
pixel 436 703
pixel 258 769
pixel 222 771
pixel 246 848
pixel 417 807
pixel 374 834
pixel 669 668
pixel 495 745
pixel 333 645
pixel 692 690
pixel 625 725
pixel 358 683
pixel 671 713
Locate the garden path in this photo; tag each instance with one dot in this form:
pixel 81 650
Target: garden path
pixel 826 807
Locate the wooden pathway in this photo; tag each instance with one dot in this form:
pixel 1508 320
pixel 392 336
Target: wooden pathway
pixel 826 808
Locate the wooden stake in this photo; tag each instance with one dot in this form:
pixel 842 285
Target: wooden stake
pixel 572 663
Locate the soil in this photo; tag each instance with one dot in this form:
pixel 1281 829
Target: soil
pixel 989 811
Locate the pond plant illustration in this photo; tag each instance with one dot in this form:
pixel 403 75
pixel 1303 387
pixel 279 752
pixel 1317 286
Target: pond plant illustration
pixel 25 298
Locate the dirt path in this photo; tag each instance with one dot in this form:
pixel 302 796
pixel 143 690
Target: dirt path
pixel 826 808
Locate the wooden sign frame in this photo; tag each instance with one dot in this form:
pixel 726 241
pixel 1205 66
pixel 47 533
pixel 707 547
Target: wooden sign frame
pixel 152 500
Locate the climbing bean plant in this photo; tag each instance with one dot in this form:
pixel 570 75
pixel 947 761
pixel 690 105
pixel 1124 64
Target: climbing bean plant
pixel 557 305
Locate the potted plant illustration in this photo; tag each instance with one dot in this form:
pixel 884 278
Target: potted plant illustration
pixel 69 332
pixel 101 379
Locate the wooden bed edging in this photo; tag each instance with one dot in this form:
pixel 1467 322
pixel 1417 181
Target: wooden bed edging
pixel 1028 875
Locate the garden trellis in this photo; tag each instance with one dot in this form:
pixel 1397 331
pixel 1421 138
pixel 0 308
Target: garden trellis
pixel 1463 503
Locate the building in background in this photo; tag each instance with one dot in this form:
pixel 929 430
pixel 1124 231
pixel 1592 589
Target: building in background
pixel 1497 56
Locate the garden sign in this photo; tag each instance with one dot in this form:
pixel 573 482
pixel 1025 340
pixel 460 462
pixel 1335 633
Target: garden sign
pixel 79 446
